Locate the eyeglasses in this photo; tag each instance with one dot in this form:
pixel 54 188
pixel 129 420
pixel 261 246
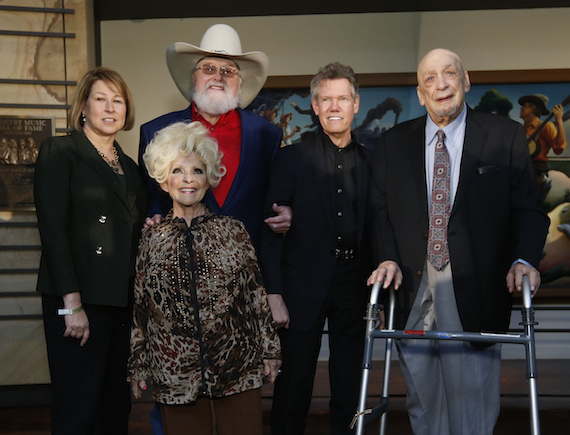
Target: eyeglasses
pixel 225 71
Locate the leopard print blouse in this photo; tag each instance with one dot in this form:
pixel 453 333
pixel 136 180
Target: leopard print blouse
pixel 202 324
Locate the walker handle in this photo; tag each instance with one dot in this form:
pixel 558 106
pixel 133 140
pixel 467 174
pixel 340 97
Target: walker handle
pixel 526 292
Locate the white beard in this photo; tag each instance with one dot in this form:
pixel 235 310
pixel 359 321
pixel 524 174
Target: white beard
pixel 217 105
pixel 449 111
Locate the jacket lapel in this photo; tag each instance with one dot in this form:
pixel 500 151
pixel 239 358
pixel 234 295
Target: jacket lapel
pixel 323 181
pixel 87 152
pixel 417 158
pixel 132 177
pixel 475 140
pixel 362 178
pixel 248 145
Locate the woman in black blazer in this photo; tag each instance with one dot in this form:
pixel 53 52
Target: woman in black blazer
pixel 90 205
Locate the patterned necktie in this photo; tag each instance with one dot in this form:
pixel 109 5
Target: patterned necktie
pixel 438 252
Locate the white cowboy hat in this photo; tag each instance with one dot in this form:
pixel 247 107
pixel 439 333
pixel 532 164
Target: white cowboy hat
pixel 219 40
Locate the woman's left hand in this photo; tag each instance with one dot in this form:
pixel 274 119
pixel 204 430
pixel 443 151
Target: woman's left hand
pixel 272 368
pixel 76 325
pixel 137 388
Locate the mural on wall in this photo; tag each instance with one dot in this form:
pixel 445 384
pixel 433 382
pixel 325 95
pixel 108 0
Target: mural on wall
pixel 383 107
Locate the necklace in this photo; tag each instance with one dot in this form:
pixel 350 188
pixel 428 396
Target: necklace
pixel 113 164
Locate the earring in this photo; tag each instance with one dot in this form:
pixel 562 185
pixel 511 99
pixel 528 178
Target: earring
pixel 83 118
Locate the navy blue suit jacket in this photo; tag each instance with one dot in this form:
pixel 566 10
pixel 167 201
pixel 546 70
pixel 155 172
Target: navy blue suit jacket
pixel 259 141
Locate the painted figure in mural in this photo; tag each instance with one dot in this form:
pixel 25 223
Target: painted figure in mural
pixel 271 115
pixel 543 135
pixel 288 132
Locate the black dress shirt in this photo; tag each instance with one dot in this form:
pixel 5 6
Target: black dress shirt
pixel 341 166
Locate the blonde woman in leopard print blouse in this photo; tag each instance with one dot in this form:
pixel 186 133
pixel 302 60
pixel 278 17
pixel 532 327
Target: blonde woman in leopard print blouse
pixel 203 334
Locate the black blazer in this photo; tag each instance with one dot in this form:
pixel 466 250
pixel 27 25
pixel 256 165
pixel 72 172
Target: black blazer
pixel 300 265
pixel 89 225
pixel 496 217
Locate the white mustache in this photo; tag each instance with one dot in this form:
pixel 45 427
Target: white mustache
pixel 218 85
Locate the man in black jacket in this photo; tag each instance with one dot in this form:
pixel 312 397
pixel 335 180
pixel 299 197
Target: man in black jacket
pixel 317 271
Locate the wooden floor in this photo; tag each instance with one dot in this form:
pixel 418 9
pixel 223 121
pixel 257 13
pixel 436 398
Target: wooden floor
pixel 553 390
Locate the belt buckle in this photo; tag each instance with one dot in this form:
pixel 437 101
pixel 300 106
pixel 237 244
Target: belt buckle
pixel 345 254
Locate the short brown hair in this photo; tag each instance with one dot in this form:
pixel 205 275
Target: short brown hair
pixel 110 77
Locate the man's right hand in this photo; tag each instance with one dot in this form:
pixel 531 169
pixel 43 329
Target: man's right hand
pixel 388 272
pixel 279 310
pixel 281 222
pixel 150 221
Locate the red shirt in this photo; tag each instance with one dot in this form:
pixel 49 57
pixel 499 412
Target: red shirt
pixel 227 132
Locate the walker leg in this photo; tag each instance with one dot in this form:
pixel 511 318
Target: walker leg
pixel 534 420
pixel 388 362
pixel 528 322
pixel 371 319
pixel 359 417
pixel 386 383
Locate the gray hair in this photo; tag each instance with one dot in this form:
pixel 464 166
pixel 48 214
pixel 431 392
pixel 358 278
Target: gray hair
pixel 334 71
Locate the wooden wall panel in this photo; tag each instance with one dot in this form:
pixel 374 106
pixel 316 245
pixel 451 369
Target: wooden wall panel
pixel 19 259
pixel 32 57
pixel 23 355
pixel 35 3
pixel 33 94
pixel 17 283
pixel 80 47
pixel 21 306
pixel 44 54
pixel 25 236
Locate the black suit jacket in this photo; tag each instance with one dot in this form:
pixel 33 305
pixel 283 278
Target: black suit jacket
pixel 496 218
pixel 89 226
pixel 300 264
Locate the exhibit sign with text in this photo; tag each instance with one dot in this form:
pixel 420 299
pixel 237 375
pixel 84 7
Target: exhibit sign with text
pixel 20 140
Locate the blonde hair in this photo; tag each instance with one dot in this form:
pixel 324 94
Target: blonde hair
pixel 110 77
pixel 183 139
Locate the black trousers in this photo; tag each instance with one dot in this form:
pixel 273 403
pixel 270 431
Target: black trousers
pixel 90 392
pixel 344 310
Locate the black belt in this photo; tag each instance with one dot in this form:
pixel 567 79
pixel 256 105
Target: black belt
pixel 345 254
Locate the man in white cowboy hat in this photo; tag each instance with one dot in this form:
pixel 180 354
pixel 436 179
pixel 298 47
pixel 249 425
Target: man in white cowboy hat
pixel 549 137
pixel 219 81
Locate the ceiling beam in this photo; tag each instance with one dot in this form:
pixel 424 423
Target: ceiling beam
pixel 149 9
